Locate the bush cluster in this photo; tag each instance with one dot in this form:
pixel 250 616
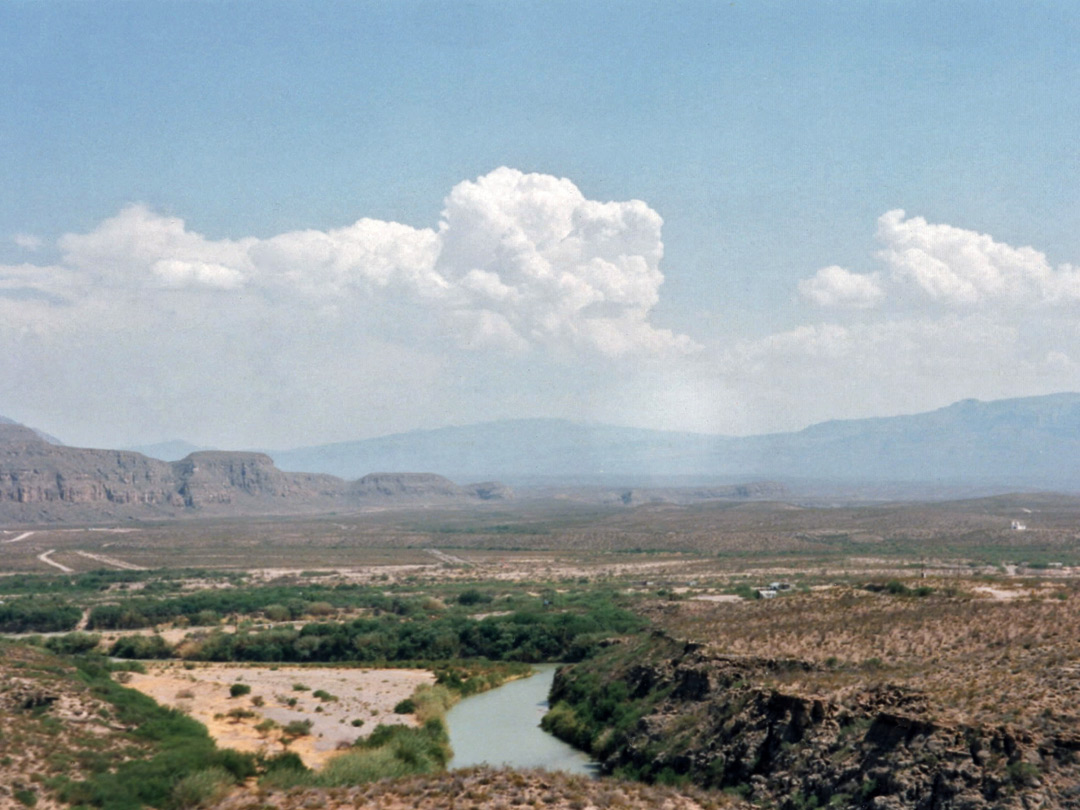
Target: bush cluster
pixel 522 636
pixel 37 615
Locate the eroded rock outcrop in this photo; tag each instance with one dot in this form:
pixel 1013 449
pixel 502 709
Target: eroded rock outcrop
pixel 662 709
pixel 424 487
pixel 43 482
pixel 32 471
pixel 220 477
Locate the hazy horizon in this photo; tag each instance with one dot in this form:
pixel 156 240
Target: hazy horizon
pixel 1012 409
pixel 277 225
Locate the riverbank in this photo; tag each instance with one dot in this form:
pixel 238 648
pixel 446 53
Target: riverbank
pixel 337 705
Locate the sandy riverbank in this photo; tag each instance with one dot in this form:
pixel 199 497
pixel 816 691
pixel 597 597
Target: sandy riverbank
pixel 365 696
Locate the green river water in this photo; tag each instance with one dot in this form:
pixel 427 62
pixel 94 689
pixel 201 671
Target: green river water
pixel 502 727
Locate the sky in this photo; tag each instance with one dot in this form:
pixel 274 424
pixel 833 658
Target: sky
pixel 272 224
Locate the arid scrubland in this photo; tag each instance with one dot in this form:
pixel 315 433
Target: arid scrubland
pixel 973 657
pixel 53 726
pixel 907 647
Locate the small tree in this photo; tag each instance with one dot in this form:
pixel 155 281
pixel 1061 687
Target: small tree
pixel 296 728
pixel 239 713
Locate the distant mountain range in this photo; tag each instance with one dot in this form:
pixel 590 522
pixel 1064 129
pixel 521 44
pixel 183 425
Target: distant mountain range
pixel 970 447
pixel 1032 442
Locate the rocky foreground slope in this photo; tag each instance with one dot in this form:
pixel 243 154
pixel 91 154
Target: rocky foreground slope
pixel 486 789
pixel 786 732
pixel 43 482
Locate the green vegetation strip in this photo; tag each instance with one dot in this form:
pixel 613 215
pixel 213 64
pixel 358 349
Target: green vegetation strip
pixel 179 755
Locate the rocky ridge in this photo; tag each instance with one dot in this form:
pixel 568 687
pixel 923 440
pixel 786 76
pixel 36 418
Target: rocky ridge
pixel 42 482
pixel 699 715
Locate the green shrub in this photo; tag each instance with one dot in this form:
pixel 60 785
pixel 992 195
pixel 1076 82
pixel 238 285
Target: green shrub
pixel 201 788
pixel 37 615
pixel 297 728
pixel 473 597
pixel 239 689
pixel 277 613
pixel 73 643
pixel 1022 773
pixel 406 706
pixel 286 760
pixel 141 647
pixel 358 767
pixel 286 770
pixel 430 702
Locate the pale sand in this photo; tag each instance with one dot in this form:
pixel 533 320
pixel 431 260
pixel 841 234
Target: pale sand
pixel 717 597
pixel 1001 594
pixel 362 694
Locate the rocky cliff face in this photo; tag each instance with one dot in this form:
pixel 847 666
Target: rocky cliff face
pixel 40 481
pixel 426 487
pixel 221 477
pixel 33 471
pixel 678 711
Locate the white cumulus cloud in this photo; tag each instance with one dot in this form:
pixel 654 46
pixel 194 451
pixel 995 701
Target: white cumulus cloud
pixel 525 296
pixel 558 269
pixel 833 286
pixel 963 268
pixel 927 263
pixel 950 313
pixel 518 261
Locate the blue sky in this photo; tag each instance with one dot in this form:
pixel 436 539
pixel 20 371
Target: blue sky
pixel 769 137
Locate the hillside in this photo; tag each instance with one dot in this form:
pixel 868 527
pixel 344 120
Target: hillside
pixel 886 698
pixel 40 434
pixel 72 736
pixel 1018 443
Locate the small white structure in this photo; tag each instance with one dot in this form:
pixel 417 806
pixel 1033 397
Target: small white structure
pixel 766 593
pixel 1017 526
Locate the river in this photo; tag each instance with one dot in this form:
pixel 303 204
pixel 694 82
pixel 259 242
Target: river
pixel 502 727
